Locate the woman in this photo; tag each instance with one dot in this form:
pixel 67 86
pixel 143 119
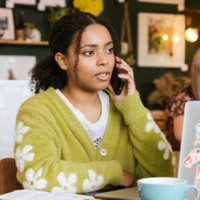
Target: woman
pixel 77 136
pixel 175 108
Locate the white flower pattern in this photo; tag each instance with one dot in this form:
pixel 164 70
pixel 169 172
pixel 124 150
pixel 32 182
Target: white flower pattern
pixel 23 156
pixel 67 183
pixel 164 145
pixel 20 131
pixel 34 181
pixel 151 124
pixel 94 181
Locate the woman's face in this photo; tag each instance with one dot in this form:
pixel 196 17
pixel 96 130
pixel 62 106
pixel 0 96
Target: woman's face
pixel 96 60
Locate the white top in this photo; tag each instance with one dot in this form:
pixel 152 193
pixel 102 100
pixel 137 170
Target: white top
pixel 95 130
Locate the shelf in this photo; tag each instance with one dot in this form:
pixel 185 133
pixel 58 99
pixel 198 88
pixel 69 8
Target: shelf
pixel 15 42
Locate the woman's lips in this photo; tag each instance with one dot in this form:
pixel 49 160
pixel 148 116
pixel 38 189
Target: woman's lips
pixel 104 76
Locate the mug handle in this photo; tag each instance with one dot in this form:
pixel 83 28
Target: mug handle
pixel 190 187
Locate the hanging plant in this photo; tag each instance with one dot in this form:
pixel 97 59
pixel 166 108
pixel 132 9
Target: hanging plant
pixel 121 1
pixel 56 13
pixel 126 39
pixel 127 53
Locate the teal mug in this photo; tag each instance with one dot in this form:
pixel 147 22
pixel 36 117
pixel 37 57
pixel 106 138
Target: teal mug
pixel 164 188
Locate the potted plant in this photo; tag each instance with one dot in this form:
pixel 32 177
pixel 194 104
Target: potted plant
pixel 31 33
pixel 56 13
pixel 165 86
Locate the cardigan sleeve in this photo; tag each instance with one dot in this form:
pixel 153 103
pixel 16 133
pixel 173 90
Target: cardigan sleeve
pixel 39 162
pixel 152 152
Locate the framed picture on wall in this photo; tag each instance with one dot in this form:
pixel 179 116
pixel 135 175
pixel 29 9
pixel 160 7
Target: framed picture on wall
pixel 161 41
pixel 163 1
pixel 7 30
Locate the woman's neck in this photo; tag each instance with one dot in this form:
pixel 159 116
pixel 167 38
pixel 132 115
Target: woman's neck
pixel 87 102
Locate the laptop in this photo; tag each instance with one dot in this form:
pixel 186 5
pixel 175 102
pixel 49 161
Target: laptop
pixel 189 162
pixel 123 194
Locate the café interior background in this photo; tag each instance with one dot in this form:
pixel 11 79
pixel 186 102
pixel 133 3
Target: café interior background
pixel 113 12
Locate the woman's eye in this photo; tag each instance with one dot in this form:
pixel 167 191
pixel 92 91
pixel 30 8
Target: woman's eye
pixel 110 50
pixel 88 53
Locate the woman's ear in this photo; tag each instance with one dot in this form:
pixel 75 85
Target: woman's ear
pixel 61 60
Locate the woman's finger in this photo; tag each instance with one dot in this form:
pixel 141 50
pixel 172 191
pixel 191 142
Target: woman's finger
pixel 123 65
pixel 118 59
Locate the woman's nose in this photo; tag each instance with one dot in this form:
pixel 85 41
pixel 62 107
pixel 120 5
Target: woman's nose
pixel 102 59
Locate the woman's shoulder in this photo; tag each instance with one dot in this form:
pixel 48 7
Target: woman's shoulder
pixel 177 103
pixel 183 94
pixel 40 98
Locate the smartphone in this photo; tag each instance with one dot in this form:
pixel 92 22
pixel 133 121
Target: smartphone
pixel 116 82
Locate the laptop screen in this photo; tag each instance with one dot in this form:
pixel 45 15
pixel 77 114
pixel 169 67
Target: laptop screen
pixel 189 163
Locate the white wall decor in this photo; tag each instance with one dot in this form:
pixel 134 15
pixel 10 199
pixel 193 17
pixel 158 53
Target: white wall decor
pixel 53 3
pixel 16 67
pixel 11 3
pixel 12 94
pixel 161 41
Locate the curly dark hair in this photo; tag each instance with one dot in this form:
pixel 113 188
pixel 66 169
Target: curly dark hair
pixel 69 28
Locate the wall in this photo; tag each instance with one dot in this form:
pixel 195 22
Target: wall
pixel 144 76
pixel 31 14
pixel 8 112
pixel 113 12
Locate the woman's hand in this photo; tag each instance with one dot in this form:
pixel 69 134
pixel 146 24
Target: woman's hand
pixel 127 179
pixel 129 88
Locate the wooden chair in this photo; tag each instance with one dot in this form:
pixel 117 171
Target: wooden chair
pixel 160 117
pixel 177 155
pixel 8 180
